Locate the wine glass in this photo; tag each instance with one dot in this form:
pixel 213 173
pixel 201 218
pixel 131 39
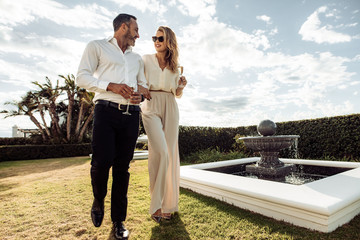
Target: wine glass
pixel 181 70
pixel 128 103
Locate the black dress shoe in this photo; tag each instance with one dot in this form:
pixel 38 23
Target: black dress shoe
pixel 120 232
pixel 97 212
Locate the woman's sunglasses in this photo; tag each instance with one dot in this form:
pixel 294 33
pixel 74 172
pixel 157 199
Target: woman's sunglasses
pixel 161 38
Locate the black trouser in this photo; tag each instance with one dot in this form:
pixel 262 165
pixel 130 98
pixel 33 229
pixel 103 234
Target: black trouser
pixel 113 143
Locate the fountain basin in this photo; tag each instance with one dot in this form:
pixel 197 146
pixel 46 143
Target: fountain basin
pixel 269 143
pixel 322 205
pixel 269 166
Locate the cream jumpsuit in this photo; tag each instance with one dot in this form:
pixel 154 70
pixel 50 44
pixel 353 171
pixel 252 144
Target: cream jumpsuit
pixel 160 117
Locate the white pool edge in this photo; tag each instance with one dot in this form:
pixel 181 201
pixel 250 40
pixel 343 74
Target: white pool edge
pixel 322 205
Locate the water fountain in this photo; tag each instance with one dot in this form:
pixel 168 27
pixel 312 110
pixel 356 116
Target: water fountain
pixel 321 205
pixel 269 166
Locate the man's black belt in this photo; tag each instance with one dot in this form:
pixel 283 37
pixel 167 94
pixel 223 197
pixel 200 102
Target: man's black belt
pixel 121 107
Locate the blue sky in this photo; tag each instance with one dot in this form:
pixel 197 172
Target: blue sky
pixel 245 60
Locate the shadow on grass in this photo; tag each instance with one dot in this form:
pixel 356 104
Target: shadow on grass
pixel 173 229
pixel 271 226
pixel 22 168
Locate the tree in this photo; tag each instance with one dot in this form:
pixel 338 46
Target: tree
pixel 41 108
pixel 86 106
pixel 71 90
pixel 48 95
pixel 78 98
pixel 26 106
pixel 76 111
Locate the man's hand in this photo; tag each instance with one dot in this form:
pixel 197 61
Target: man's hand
pixel 135 98
pixel 122 89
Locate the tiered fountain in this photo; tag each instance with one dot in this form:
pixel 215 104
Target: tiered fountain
pixel 322 205
pixel 269 166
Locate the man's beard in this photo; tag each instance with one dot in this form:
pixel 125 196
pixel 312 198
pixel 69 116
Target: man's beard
pixel 129 38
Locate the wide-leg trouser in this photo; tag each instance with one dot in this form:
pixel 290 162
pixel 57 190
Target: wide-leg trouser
pixel 113 143
pixel 161 121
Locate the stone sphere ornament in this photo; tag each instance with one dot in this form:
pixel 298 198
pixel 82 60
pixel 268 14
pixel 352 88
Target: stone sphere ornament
pixel 266 128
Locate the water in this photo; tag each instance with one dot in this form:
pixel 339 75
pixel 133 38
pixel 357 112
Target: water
pixel 301 175
pixel 295 149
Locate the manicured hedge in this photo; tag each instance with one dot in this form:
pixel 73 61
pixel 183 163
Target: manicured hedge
pixel 19 141
pixel 26 152
pixel 194 139
pixel 335 137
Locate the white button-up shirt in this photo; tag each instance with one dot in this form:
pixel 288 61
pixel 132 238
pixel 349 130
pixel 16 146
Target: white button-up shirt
pixel 103 62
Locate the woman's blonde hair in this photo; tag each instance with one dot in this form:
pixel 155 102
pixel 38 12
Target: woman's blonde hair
pixel 172 53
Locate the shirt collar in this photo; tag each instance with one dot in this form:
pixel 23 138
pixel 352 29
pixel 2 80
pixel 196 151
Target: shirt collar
pixel 114 41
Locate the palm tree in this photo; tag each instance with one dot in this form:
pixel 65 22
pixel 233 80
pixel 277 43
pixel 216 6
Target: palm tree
pixel 27 106
pixel 86 106
pixel 71 90
pixel 48 95
pixel 77 96
pixel 41 108
pixel 77 109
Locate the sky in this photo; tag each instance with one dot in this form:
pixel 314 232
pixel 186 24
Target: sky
pixel 245 60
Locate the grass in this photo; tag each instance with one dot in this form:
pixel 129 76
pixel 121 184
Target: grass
pixel 51 199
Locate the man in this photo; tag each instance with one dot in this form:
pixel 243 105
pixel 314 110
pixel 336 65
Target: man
pixel 110 69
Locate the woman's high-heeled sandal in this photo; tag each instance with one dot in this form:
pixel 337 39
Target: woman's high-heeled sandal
pixel 157 216
pixel 167 216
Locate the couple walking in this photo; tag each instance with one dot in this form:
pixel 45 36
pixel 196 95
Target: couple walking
pixel 121 79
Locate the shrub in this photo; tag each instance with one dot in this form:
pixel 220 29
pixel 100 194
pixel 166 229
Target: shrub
pixel 26 152
pixel 211 155
pixel 337 137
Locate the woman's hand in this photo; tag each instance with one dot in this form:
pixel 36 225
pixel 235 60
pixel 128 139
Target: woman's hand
pixel 145 92
pixel 182 82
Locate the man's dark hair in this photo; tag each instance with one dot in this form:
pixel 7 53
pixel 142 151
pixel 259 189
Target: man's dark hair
pixel 120 19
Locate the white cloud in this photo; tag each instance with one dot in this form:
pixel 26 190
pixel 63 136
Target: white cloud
pixel 10 96
pixel 17 74
pixel 303 79
pixel 43 55
pixel 325 69
pixel 280 79
pixel 264 18
pixel 42 46
pixel 314 30
pixel 204 9
pixel 23 12
pixel 210 47
pixel 153 6
pixel 12 13
pixel 356 58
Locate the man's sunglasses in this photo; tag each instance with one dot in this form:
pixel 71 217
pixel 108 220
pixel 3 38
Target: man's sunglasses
pixel 161 38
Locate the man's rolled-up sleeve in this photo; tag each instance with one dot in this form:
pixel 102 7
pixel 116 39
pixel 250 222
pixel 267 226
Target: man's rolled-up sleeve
pixel 87 67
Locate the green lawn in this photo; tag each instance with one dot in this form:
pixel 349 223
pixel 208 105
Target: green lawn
pixel 51 199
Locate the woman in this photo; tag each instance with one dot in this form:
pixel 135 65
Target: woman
pixel 160 117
